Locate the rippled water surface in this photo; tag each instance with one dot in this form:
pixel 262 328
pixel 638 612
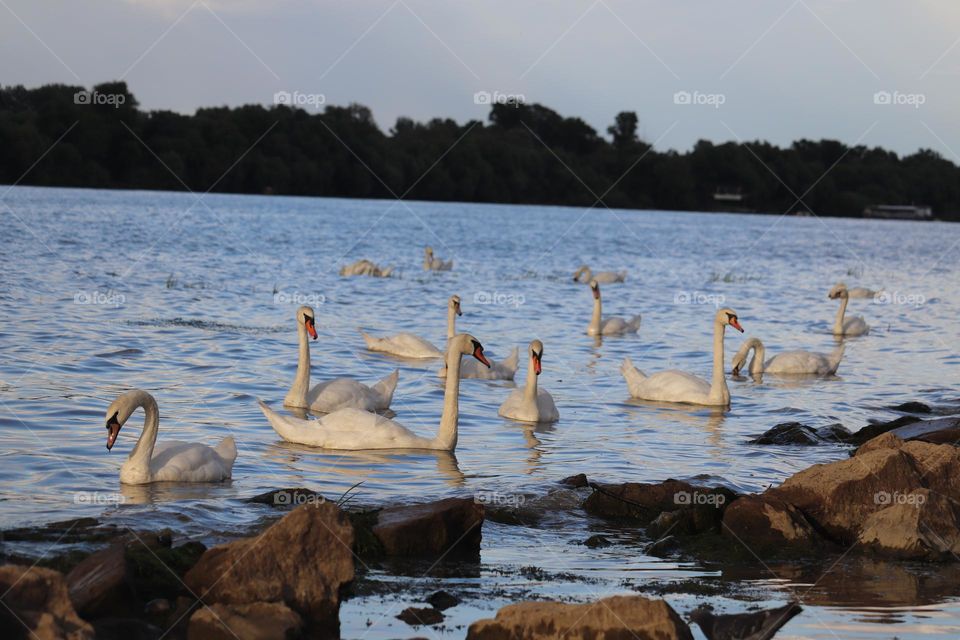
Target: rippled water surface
pixel 193 299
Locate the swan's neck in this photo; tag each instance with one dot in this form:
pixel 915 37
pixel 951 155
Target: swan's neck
pixel 759 357
pixel 297 396
pixel 838 323
pixel 143 450
pixel 530 391
pixel 595 320
pixel 451 323
pixel 447 435
pixel 718 383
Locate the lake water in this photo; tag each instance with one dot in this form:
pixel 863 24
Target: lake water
pixel 193 300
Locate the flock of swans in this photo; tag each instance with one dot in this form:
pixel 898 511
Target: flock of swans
pixel 351 410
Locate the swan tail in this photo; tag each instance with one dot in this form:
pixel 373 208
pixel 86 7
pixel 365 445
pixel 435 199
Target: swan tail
pixel 622 276
pixel 634 323
pixel 370 340
pixel 512 363
pixel 632 375
pixel 276 421
pixel 227 449
pixel 385 388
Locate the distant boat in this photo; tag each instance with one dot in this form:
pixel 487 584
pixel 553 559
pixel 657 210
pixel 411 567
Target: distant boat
pixel 898 212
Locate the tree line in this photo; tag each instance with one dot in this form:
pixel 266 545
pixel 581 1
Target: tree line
pixel 524 153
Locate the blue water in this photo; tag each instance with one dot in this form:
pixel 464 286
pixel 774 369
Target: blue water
pixel 193 299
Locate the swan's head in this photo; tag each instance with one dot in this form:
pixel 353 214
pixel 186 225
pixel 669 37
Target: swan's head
pixel 740 358
pixel 839 290
pixel 536 355
pixel 728 317
pixel 428 251
pixel 595 287
pixel 455 304
pixel 467 345
pixel 306 317
pixel 118 413
pixel 579 272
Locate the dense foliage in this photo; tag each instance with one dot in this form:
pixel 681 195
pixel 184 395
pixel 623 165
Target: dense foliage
pixel 524 154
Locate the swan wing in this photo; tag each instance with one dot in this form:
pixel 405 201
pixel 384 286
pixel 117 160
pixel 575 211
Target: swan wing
pixel 547 409
pixel 341 393
pixel 405 345
pixel 798 362
pixel 175 461
pixel 348 429
pixel 516 407
pixel 673 386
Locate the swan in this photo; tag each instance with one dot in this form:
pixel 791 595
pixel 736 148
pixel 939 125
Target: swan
pixel 583 274
pixel 169 461
pixel 600 326
pixel 855 326
pixel 366 268
pixel 505 370
pixel 337 393
pixel 435 264
pixel 354 429
pixel 858 292
pixel 679 386
pixel 531 404
pixel 408 345
pixel 799 362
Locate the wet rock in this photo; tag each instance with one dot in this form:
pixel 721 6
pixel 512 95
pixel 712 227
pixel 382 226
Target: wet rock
pixel 597 541
pixel 575 482
pixel 757 625
pixel 768 524
pixel 101 584
pixel 938 431
pixel 442 600
pixel 36 600
pixel 789 433
pixel 417 616
pixel 688 521
pixel 663 547
pixel 920 525
pixel 126 629
pixel 644 502
pixel 254 621
pixel 912 406
pixel 836 433
pixel 287 498
pixel 302 561
pixel 632 617
pixel 446 527
pixel 157 607
pixel 878 428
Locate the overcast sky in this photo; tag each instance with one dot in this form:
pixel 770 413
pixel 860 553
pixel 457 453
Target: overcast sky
pixel 761 69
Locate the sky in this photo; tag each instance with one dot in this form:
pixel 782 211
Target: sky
pixel 873 72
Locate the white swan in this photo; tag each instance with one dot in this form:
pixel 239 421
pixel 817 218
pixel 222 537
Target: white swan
pixel 337 393
pixel 169 461
pixel 858 292
pixel 679 386
pixel 435 264
pixel 796 362
pixel 408 345
pixel 353 429
pixel 600 326
pixel 505 370
pixel 366 268
pixel 855 326
pixel 584 275
pixel 531 404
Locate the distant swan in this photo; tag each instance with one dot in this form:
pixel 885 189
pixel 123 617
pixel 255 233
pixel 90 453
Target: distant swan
pixel 584 275
pixel 337 393
pixel 858 292
pixel 679 386
pixel 169 461
pixel 855 326
pixel 531 404
pixel 796 362
pixel 408 345
pixel 600 326
pixel 366 268
pixel 435 264
pixel 504 370
pixel 354 429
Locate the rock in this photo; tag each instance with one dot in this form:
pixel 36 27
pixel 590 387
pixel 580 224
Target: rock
pixel 912 406
pixel 126 629
pixel 157 607
pixel 633 617
pixel 576 482
pixel 287 498
pixel 768 524
pixel 756 625
pixel 101 584
pixel 36 600
pixel 254 621
pixel 597 541
pixel 442 600
pixel 663 547
pixel 789 433
pixel 688 521
pixel 302 560
pixel 451 526
pixel 938 431
pixel 834 433
pixel 644 502
pixel 920 525
pixel 873 430
pixel 417 616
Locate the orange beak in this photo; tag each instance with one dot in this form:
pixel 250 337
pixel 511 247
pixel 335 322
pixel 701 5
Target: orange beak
pixel 536 364
pixel 113 430
pixel 310 328
pixel 478 354
pixel 736 325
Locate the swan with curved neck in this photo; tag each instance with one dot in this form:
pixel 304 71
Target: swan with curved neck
pixel 353 429
pixel 855 326
pixel 169 461
pixel 531 404
pixel 435 264
pixel 858 292
pixel 788 362
pixel 333 394
pixel 504 370
pixel 679 386
pixel 409 345
pixel 600 326
pixel 584 275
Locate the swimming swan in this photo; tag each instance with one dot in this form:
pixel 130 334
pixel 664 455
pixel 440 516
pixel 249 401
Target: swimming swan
pixel 600 326
pixel 788 362
pixel 584 275
pixel 855 326
pixel 435 264
pixel 531 404
pixel 504 370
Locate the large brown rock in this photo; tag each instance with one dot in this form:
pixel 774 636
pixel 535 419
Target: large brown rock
pixel 448 526
pixel 302 561
pixel 616 618
pixel 766 523
pixel 256 621
pixel 101 585
pixel 920 525
pixel 644 502
pixel 36 605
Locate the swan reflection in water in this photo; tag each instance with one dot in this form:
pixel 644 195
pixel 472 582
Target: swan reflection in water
pixel 701 417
